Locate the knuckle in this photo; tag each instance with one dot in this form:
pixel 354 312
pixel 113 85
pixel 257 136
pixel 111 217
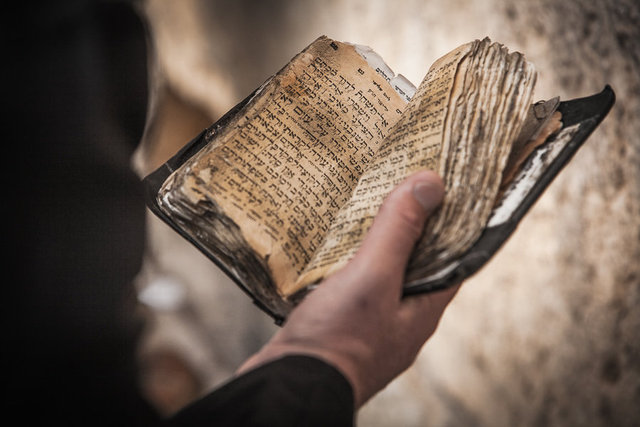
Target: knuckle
pixel 411 221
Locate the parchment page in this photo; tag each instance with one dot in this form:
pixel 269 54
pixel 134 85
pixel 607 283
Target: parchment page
pixel 282 172
pixel 414 143
pixel 492 93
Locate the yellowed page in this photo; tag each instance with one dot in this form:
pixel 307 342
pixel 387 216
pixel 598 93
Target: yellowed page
pixel 284 169
pixel 414 143
pixel 491 106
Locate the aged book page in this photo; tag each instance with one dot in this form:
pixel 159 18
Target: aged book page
pixel 490 109
pixel 274 180
pixel 461 123
pixel 414 143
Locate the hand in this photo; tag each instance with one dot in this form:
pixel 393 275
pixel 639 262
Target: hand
pixel 357 320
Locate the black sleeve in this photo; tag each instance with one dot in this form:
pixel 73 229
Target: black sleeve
pixel 291 391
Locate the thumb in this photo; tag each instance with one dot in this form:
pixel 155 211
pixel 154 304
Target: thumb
pixel 399 224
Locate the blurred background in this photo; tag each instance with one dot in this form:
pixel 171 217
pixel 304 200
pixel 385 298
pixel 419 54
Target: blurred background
pixel 547 334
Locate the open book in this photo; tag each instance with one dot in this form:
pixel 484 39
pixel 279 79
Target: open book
pixel 280 192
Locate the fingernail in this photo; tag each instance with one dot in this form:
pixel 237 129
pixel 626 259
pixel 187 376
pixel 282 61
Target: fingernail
pixel 428 194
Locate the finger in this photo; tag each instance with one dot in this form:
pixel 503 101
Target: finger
pixel 399 224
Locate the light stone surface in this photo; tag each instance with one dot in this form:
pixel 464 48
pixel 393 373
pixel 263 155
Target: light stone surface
pixel 549 332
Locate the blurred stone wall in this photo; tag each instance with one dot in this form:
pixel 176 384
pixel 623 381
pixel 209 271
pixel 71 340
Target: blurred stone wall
pixel 549 332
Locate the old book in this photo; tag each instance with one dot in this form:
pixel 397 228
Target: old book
pixel 280 192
